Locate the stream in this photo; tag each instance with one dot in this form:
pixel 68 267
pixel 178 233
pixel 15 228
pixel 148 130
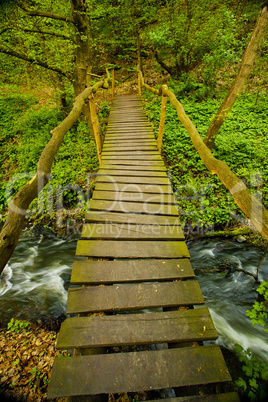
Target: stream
pixel 34 284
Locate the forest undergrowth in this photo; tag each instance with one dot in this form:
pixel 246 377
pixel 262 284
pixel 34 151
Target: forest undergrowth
pixel 204 203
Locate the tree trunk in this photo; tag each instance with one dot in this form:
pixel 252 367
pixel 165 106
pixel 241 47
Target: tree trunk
pixel 237 86
pixel 83 53
pixel 82 42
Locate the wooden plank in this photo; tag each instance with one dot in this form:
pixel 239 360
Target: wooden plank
pixel 130 133
pixel 132 154
pixel 137 371
pixel 130 129
pixel 108 272
pixel 154 168
pixel 122 141
pixel 134 197
pixel 123 148
pixel 153 164
pixel 129 125
pixel 138 118
pixel 129 137
pixel 132 249
pixel 125 231
pixel 226 397
pixel 136 329
pixel 134 188
pixel 134 296
pixel 114 217
pixel 133 207
pixel 131 142
pixel 137 173
pixel 143 158
pixel 163 181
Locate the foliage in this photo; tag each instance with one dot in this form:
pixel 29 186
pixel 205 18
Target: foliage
pixel 17 325
pixel 259 312
pixel 190 33
pixel 256 374
pixel 201 198
pixel 24 133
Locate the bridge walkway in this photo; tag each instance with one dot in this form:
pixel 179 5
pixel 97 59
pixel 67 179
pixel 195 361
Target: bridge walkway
pixel 134 324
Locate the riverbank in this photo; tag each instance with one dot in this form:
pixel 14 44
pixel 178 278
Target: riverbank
pixel 26 361
pixel 26 365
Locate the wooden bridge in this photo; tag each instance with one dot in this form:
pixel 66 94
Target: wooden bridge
pixel 137 262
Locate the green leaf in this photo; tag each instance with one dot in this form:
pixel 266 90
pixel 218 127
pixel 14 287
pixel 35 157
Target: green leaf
pixel 241 383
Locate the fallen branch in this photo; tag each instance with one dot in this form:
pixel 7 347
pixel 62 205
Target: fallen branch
pixel 223 268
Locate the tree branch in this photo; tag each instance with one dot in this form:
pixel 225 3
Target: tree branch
pixel 45 14
pixel 48 33
pixel 38 31
pixel 169 69
pixel 39 62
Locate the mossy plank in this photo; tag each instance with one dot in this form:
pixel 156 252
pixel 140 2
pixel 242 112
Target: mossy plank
pixel 120 141
pixel 122 135
pixel 136 173
pixel 135 296
pixel 149 158
pixel 136 329
pixel 131 154
pixel 122 188
pixel 137 219
pixel 139 164
pixel 112 231
pixel 133 207
pixel 226 397
pixel 132 249
pixel 138 168
pixel 108 272
pixel 123 148
pixel 137 371
pixel 135 180
pixel 134 197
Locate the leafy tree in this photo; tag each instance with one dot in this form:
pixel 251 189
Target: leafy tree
pixel 54 35
pixel 240 80
pixel 188 31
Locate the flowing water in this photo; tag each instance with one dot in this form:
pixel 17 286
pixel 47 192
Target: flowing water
pixel 34 284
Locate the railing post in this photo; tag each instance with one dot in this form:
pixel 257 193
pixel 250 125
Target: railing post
pixel 95 124
pixel 112 83
pixel 139 82
pixel 162 123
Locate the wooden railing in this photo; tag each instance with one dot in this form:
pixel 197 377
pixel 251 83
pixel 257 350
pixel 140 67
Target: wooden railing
pixel 21 201
pixel 247 202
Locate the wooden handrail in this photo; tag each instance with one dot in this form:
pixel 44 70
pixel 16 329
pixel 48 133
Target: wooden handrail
pixel 19 204
pixel 96 125
pixel 162 123
pixel 250 205
pixel 113 86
